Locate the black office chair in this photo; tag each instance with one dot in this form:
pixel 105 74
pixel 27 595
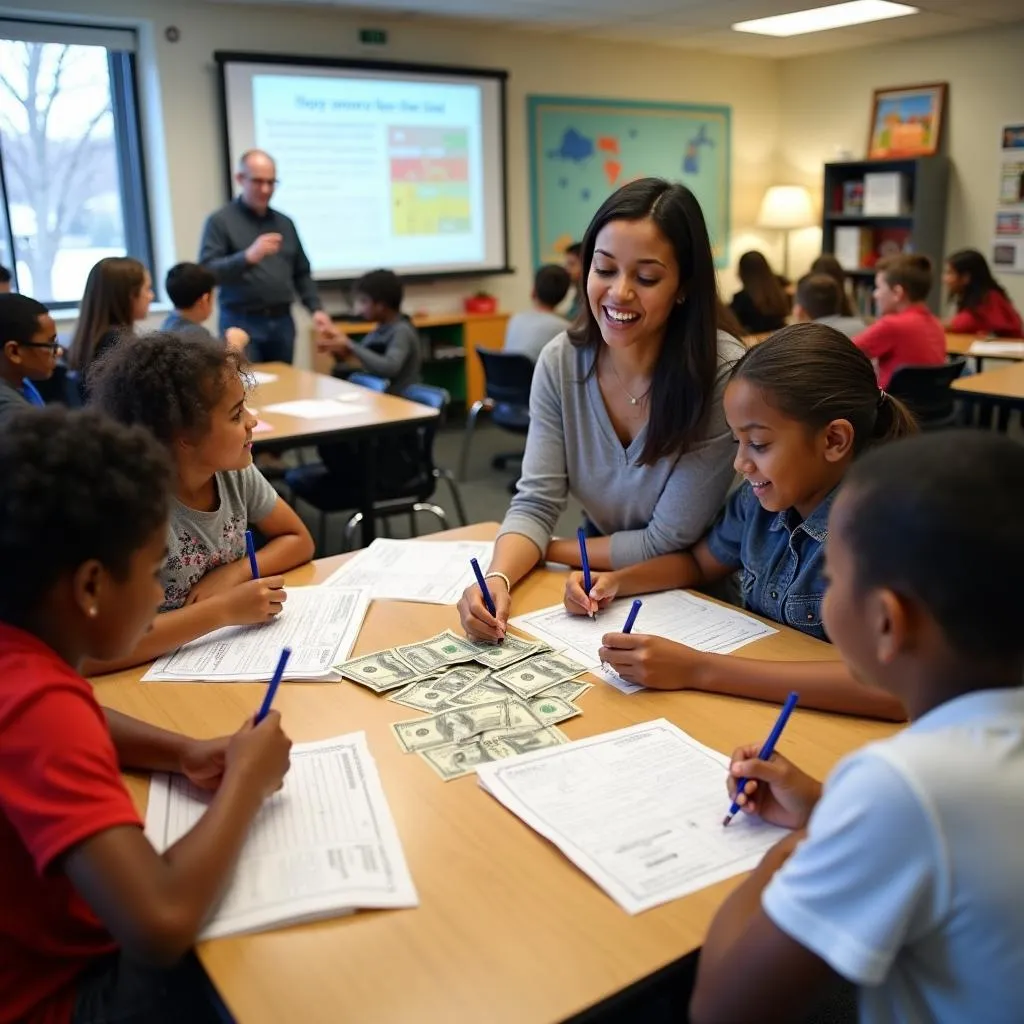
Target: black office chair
pixel 925 390
pixel 406 479
pixel 507 380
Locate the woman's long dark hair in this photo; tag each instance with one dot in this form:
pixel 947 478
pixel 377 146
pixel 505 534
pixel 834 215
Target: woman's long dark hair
pixel 826 263
pixel 110 292
pixel 684 376
pixel 761 284
pixel 979 278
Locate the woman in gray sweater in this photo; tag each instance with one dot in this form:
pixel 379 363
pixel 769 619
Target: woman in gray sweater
pixel 626 409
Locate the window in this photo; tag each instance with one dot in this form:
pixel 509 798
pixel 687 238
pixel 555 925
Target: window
pixel 72 184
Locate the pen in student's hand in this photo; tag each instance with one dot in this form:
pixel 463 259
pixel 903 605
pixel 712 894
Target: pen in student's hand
pixel 581 535
pixel 766 751
pixel 485 593
pixel 275 681
pixel 250 548
pixel 631 617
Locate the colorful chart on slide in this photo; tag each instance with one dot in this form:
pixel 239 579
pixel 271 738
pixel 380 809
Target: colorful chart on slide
pixel 583 150
pixel 430 192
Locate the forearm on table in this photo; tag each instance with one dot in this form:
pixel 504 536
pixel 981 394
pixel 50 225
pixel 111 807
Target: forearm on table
pixel 669 572
pixel 822 685
pixel 169 631
pixel 567 552
pixel 514 556
pixel 279 555
pixel 141 745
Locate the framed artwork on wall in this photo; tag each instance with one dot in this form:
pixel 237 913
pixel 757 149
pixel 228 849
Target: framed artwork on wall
pixel 906 121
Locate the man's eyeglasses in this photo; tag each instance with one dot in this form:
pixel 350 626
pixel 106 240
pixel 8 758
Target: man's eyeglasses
pixel 269 182
pixel 53 346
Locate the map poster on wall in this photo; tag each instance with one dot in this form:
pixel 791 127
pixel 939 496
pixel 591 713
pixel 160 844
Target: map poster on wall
pixel 583 150
pixel 1008 243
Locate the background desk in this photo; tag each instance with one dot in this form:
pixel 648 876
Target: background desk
pixel 1001 389
pixel 960 345
pixel 373 416
pixel 449 358
pixel 508 931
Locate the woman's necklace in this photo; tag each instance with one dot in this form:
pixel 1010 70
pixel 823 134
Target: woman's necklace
pixel 633 399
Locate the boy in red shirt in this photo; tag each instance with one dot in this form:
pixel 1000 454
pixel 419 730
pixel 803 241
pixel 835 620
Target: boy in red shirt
pixel 907 333
pixel 95 925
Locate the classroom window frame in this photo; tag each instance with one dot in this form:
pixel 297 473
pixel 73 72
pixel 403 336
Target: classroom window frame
pixel 129 149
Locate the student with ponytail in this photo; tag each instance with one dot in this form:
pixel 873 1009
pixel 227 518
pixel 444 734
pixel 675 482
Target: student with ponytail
pixel 802 406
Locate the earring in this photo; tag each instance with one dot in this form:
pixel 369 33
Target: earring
pixel 93 611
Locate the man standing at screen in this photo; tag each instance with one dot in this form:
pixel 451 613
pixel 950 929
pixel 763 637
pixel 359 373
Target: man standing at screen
pixel 260 265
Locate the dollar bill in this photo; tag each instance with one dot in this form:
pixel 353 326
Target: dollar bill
pixel 437 653
pixel 538 673
pixel 549 709
pixel 571 690
pixel 459 759
pixel 522 716
pixel 481 692
pixel 451 726
pixel 509 651
pixel 433 694
pixel 380 672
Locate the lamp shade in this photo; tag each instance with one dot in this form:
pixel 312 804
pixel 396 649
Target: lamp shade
pixel 786 206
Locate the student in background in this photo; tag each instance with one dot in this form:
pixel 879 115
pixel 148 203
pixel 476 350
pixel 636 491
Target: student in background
pixel 28 351
pixel 762 304
pixel 626 408
pixel 117 295
pixel 5 280
pixel 528 333
pixel 903 874
pixel 982 305
pixel 188 391
pixel 827 264
pixel 190 287
pixel 818 299
pixel 392 349
pixel 727 321
pixel 907 333
pixel 96 925
pixel 803 405
pixel 573 263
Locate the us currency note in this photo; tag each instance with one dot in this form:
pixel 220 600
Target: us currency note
pixel 481 692
pixel 540 672
pixel 549 709
pixel 380 672
pixel 571 690
pixel 451 726
pixel 437 653
pixel 459 759
pixel 509 651
pixel 434 694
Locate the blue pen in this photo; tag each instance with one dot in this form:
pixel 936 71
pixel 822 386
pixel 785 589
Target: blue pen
pixel 584 561
pixel 250 547
pixel 275 681
pixel 631 617
pixel 767 750
pixel 488 600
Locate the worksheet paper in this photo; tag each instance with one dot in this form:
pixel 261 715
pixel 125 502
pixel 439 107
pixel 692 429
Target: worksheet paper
pixel 639 810
pixel 431 572
pixel 674 614
pixel 324 845
pixel 996 348
pixel 259 377
pixel 319 624
pixel 314 408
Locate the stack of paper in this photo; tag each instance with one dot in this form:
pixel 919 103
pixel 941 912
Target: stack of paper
pixel 320 625
pixel 431 572
pixel 326 844
pixel 674 614
pixel 639 810
pixel 997 348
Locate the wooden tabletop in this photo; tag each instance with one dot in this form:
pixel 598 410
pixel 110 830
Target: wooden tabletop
pixel 1005 384
pixel 507 930
pixel 357 328
pixel 960 345
pixel 360 410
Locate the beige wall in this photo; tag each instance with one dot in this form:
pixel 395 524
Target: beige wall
pixel 825 106
pixel 182 92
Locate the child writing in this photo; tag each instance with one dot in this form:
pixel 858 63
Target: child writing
pixel 117 295
pixel 904 873
pixel 802 406
pixel 982 305
pixel 188 392
pixel 95 925
pixel 907 333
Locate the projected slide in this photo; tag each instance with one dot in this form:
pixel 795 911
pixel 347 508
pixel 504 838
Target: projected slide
pixel 376 170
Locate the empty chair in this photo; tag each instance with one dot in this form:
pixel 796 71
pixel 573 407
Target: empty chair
pixel 507 380
pixel 369 380
pixel 925 390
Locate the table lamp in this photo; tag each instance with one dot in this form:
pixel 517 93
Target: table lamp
pixel 784 208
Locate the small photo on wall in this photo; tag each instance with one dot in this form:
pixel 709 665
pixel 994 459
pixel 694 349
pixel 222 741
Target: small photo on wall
pixel 1013 136
pixel 1010 224
pixel 1008 255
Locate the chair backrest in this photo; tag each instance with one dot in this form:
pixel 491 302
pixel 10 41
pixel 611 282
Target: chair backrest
pixel 925 390
pixel 507 376
pixel 369 380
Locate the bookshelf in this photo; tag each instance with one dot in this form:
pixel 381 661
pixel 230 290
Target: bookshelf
pixel 912 193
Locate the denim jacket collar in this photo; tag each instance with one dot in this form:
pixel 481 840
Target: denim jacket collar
pixel 815 525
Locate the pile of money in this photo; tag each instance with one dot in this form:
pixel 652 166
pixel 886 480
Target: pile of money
pixel 484 702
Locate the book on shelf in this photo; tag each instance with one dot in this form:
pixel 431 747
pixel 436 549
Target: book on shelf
pixel 886 194
pixel 853 198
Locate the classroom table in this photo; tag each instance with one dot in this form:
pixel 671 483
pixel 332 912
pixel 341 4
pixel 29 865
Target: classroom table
pixel 960 345
pixel 363 415
pixel 508 930
pixel 1001 389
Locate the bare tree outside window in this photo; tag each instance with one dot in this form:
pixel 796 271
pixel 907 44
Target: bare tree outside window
pixel 61 164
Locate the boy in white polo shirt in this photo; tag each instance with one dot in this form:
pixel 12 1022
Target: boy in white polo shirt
pixel 905 875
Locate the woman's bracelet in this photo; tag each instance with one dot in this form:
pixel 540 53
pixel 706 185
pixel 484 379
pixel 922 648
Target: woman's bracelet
pixel 500 576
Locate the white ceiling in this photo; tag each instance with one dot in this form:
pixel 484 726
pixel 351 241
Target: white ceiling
pixel 690 24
